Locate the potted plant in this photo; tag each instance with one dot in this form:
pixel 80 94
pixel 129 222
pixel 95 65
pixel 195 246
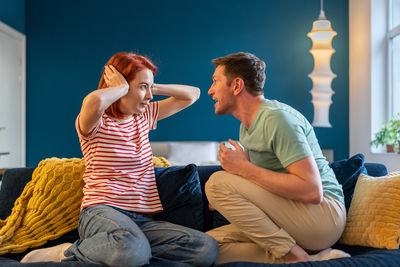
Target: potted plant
pixel 389 135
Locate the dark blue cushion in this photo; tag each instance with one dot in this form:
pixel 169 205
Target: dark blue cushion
pixel 376 169
pixel 210 217
pixel 181 196
pixel 347 172
pixel 13 183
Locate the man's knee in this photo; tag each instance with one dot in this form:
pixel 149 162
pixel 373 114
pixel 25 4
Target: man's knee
pixel 220 182
pixel 215 181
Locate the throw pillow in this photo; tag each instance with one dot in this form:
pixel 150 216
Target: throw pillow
pixel 180 194
pixel 374 216
pixel 376 169
pixel 347 172
pixel 161 162
pixel 13 183
pixel 47 208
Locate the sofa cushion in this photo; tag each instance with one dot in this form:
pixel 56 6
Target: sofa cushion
pixel 212 219
pixel 376 169
pixel 181 196
pixel 378 257
pixel 347 172
pixel 13 183
pixel 374 216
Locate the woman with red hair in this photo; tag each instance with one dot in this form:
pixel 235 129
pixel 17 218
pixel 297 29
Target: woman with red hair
pixel 116 227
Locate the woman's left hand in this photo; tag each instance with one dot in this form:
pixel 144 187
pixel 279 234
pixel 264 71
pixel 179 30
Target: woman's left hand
pixel 232 160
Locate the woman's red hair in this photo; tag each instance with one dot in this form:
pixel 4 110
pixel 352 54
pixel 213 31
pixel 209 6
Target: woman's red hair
pixel 128 65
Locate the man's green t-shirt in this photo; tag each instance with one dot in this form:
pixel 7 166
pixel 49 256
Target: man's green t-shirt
pixel 280 136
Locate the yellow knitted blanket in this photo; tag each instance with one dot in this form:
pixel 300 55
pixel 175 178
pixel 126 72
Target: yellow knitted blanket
pixel 49 205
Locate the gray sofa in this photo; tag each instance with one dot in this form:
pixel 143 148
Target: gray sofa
pixel 183 186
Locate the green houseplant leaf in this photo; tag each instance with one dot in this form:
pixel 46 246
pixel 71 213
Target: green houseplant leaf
pixel 389 134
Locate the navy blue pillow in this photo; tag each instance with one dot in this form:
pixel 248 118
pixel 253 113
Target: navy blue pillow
pixel 376 169
pixel 347 172
pixel 181 196
pixel 13 183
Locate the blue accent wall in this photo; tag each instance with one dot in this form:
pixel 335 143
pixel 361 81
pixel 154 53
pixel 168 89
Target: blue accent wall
pixel 12 13
pixel 68 42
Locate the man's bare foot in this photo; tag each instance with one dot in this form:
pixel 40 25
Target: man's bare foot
pixel 55 253
pixel 328 254
pixel 296 254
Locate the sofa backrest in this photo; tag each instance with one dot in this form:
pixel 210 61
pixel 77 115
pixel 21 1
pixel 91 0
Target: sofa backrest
pixel 12 185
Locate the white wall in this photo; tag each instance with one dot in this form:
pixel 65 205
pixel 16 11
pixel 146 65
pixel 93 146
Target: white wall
pixel 12 97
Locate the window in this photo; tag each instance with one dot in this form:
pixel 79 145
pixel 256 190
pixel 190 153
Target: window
pixel 368 76
pixel 394 57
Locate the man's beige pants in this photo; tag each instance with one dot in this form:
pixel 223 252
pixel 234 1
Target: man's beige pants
pixel 265 226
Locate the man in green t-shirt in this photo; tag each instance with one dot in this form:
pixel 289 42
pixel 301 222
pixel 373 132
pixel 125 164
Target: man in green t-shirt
pixel 277 189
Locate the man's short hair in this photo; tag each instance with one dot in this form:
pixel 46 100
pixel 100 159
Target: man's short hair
pixel 246 66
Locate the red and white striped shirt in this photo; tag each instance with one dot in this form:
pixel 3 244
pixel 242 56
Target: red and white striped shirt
pixel 119 163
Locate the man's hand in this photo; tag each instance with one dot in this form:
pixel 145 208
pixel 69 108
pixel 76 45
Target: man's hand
pixel 114 78
pixel 232 160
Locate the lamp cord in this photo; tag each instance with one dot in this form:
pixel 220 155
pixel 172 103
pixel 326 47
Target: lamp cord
pixel 322 13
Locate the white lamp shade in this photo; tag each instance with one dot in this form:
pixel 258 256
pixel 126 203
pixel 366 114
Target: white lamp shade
pixel 322 75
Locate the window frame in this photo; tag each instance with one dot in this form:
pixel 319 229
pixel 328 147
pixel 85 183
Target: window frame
pixel 393 31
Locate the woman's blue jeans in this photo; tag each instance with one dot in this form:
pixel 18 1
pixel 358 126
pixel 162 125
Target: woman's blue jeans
pixel 116 237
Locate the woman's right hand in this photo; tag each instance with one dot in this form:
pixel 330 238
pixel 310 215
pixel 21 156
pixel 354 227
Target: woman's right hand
pixel 98 101
pixel 114 78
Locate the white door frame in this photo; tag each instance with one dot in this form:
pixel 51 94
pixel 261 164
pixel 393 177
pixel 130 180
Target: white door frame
pixel 22 39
